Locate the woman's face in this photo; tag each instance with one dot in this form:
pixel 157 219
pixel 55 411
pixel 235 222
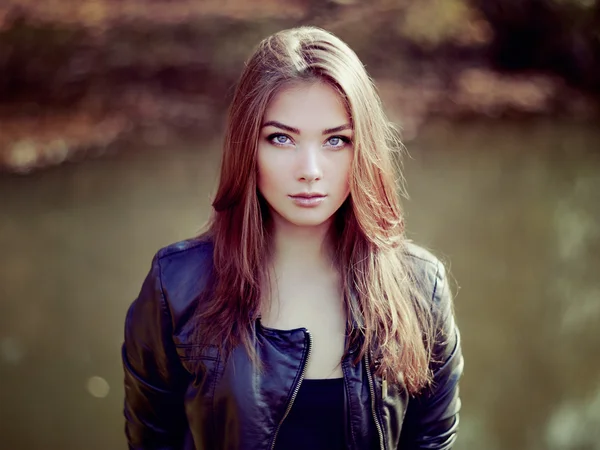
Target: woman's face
pixel 305 147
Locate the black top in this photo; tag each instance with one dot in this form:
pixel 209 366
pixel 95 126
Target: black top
pixel 316 420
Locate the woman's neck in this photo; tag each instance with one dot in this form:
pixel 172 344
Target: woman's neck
pixel 300 255
pixel 306 247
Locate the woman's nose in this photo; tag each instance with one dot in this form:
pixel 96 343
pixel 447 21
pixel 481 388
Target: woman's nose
pixel 309 164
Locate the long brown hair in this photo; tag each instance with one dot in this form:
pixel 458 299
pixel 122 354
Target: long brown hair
pixel 386 311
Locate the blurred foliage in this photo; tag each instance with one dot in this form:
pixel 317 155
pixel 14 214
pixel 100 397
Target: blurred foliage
pixel 561 36
pixel 434 22
pixel 135 65
pixel 102 14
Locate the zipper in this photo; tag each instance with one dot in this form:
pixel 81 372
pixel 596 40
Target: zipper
pixel 287 411
pixel 373 409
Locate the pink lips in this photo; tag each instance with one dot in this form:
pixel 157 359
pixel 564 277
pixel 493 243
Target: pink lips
pixel 308 199
pixel 308 194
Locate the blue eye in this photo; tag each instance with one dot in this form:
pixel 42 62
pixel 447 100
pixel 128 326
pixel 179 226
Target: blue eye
pixel 283 139
pixel 338 141
pixel 279 139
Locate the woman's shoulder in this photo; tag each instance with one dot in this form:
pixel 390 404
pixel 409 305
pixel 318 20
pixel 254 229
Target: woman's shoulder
pixel 185 262
pixel 195 248
pixel 422 261
pixel 182 270
pixel 427 271
pixel 420 255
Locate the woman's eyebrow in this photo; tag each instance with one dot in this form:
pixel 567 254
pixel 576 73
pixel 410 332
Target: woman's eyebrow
pixel 274 123
pixel 337 129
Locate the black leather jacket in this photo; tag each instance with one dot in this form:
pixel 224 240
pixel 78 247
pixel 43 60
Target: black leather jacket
pixel 179 397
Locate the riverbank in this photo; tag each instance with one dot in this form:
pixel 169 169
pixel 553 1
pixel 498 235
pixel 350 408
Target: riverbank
pixel 74 90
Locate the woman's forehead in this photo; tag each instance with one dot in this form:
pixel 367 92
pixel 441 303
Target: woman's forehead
pixel 314 106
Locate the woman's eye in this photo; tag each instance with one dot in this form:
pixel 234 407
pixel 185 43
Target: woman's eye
pixel 280 139
pixel 338 141
pixel 333 141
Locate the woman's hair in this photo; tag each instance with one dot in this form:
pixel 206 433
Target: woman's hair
pixel 386 311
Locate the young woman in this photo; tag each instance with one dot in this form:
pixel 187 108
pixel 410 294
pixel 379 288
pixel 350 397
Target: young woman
pixel 301 318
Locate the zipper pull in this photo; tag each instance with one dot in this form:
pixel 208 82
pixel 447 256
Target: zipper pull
pixel 384 389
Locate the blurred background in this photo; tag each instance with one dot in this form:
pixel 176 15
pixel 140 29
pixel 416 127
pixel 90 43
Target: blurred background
pixel 111 122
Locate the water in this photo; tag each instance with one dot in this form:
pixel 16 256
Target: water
pixel 512 208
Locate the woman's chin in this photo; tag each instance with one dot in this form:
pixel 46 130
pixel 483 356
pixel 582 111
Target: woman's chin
pixel 305 219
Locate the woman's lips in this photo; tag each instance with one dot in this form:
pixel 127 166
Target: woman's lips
pixel 307 201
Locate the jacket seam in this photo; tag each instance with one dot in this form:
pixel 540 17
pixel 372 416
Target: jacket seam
pixel 437 278
pixel 429 261
pixel 169 251
pixel 429 257
pixel 198 358
pixel 214 387
pixel 163 301
pixel 432 307
pixel 349 397
pixel 134 374
pixel 166 311
pixel 449 360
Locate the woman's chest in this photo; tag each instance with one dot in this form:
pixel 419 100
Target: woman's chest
pixel 318 306
pixel 229 400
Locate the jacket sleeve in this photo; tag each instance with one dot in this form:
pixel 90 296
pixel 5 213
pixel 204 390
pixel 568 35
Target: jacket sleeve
pixel 154 408
pixel 432 417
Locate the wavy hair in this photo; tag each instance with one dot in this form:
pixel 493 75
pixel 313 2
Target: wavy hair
pixel 386 311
